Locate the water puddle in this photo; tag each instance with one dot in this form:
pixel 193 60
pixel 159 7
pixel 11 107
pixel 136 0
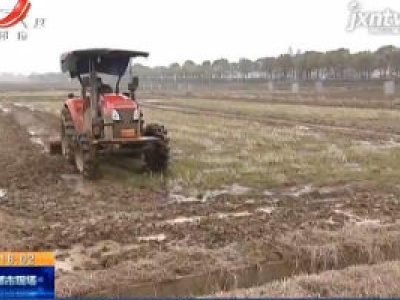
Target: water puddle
pixel 268 193
pixel 233 215
pixel 183 199
pixel 376 146
pixel 221 215
pixel 237 190
pixel 205 284
pixel 301 131
pixel 153 101
pixel 177 153
pixel 369 222
pixel 315 192
pixel 37 141
pixel 4 109
pixel 335 191
pixel 36 131
pixel 24 105
pixel 216 170
pixel 266 210
pixel 358 221
pixel 233 190
pixel 72 259
pixel 298 192
pixel 354 167
pixel 301 127
pixel 80 257
pixel 78 185
pixel 38 135
pixel 183 220
pixel 153 238
pixel 327 200
pixel 64 266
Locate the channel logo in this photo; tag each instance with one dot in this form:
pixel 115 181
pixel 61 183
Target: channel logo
pixel 17 15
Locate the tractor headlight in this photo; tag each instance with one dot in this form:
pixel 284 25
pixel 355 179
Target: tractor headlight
pixel 115 115
pixel 136 114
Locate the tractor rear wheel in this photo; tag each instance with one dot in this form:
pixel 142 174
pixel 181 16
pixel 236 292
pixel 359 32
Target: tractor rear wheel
pixel 156 156
pixel 156 153
pixel 85 157
pixel 67 135
pixel 157 131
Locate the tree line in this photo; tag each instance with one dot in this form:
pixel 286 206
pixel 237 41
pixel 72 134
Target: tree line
pixel 383 63
pixel 339 64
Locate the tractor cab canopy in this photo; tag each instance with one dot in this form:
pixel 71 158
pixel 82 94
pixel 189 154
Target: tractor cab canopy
pixel 107 61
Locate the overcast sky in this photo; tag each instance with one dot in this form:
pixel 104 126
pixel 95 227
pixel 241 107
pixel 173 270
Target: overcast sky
pixel 177 30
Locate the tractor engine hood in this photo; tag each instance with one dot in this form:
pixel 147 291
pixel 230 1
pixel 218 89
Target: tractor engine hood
pixel 111 102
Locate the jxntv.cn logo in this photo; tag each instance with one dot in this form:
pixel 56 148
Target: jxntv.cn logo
pixel 385 21
pixel 17 22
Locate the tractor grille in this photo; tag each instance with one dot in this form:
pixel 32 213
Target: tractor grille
pixel 126 122
pixel 126 115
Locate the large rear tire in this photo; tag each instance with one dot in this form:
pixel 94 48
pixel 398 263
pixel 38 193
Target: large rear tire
pixel 86 161
pixel 67 135
pixel 156 154
pixel 77 150
pixel 157 131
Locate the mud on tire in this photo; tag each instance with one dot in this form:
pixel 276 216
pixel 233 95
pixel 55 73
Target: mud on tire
pixel 85 158
pixel 156 130
pixel 156 154
pixel 67 135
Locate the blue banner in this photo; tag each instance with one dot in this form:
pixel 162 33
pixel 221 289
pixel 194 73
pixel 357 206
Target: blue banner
pixel 27 282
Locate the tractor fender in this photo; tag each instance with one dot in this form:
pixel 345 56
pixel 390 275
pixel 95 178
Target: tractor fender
pixel 76 109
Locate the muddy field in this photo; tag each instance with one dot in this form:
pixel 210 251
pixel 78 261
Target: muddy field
pixel 256 192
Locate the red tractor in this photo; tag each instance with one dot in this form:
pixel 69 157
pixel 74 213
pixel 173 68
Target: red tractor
pixel 103 119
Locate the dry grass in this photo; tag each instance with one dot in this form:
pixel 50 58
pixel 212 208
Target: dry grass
pixel 212 151
pixel 318 250
pixel 340 116
pixel 379 280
